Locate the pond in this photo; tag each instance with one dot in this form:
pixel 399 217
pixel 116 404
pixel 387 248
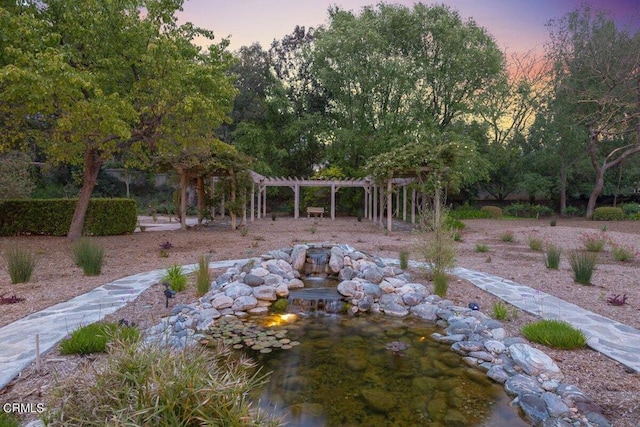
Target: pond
pixel 375 371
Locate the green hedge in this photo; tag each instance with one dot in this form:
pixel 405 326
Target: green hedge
pixel 466 213
pixel 52 217
pixel 608 213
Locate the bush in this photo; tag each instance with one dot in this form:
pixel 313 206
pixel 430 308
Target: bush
pixel 451 223
pixel 631 209
pixel 608 213
pixel 494 211
pixel 552 257
pixel 572 211
pixel 534 242
pixel 52 217
pixel 555 333
pixel 481 248
pixel 469 213
pixel 156 386
pixel 594 242
pixel 582 264
pixel 203 277
pixel 176 278
pixel 623 253
pixel 89 256
pixel 20 264
pixel 507 236
pixel 93 338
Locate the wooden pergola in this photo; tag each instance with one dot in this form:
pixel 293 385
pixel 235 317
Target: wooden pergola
pixel 374 200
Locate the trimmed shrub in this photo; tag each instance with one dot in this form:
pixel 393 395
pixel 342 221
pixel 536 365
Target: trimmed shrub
pixel 608 213
pixel 52 217
pixel 89 256
pixel 93 338
pixel 555 333
pixel 20 264
pixel 494 211
pixel 467 212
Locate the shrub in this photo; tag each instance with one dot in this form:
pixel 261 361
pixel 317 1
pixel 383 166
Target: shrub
pixel 203 277
pixel 555 333
pixel 582 264
pixel 481 248
pixel 440 283
pixel 631 209
pixel 552 257
pixel 572 211
pixel 89 256
pixel 155 385
pixel 456 235
pixel 451 223
pixel 93 338
pixel 608 213
pixel 404 259
pixel 20 264
pixel 507 236
pixel 494 211
pixel 176 278
pixel 469 213
pixel 500 311
pixel 594 242
pixel 52 217
pixel 623 253
pixel 534 242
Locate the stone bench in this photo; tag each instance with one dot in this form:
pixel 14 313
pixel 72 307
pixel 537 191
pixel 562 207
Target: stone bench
pixel 315 211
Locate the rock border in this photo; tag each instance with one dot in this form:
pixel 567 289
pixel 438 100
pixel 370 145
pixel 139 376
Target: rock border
pixel 368 285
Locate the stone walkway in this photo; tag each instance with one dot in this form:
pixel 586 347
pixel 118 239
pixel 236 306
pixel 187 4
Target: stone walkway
pixel 18 339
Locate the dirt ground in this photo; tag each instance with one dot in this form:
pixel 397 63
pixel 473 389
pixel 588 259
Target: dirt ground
pixel 611 385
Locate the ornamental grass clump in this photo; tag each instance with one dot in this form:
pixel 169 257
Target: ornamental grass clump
pixel 534 242
pixel 594 242
pixel 552 257
pixel 623 253
pixel 500 311
pixel 93 338
pixel 404 259
pixel 507 236
pixel 89 256
pixel 154 385
pixel 555 333
pixel 176 278
pixel 481 248
pixel 20 264
pixel 203 277
pixel 582 264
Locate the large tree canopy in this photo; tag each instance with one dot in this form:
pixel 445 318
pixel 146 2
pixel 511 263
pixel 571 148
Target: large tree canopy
pixel 102 77
pixel 598 80
pixel 392 71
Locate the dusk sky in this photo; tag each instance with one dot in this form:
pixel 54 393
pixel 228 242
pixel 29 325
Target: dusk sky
pixel 518 25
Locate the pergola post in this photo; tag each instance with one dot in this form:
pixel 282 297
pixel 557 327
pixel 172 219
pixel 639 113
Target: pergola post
pixel 375 203
pixel 389 207
pixel 259 201
pixel 252 203
pixel 404 203
pixel 296 202
pixel 413 206
pixel 213 190
pixel 264 202
pixel 333 201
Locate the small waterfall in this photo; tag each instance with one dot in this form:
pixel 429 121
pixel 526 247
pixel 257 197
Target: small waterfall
pixel 315 300
pixel 317 262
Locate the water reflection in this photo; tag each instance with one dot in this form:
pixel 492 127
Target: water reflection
pixel 346 373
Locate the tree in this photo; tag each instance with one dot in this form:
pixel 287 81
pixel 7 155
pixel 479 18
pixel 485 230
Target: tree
pixel 597 70
pixel 392 72
pixel 104 77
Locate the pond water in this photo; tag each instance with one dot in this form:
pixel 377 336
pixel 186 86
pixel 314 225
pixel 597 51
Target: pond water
pixel 376 371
